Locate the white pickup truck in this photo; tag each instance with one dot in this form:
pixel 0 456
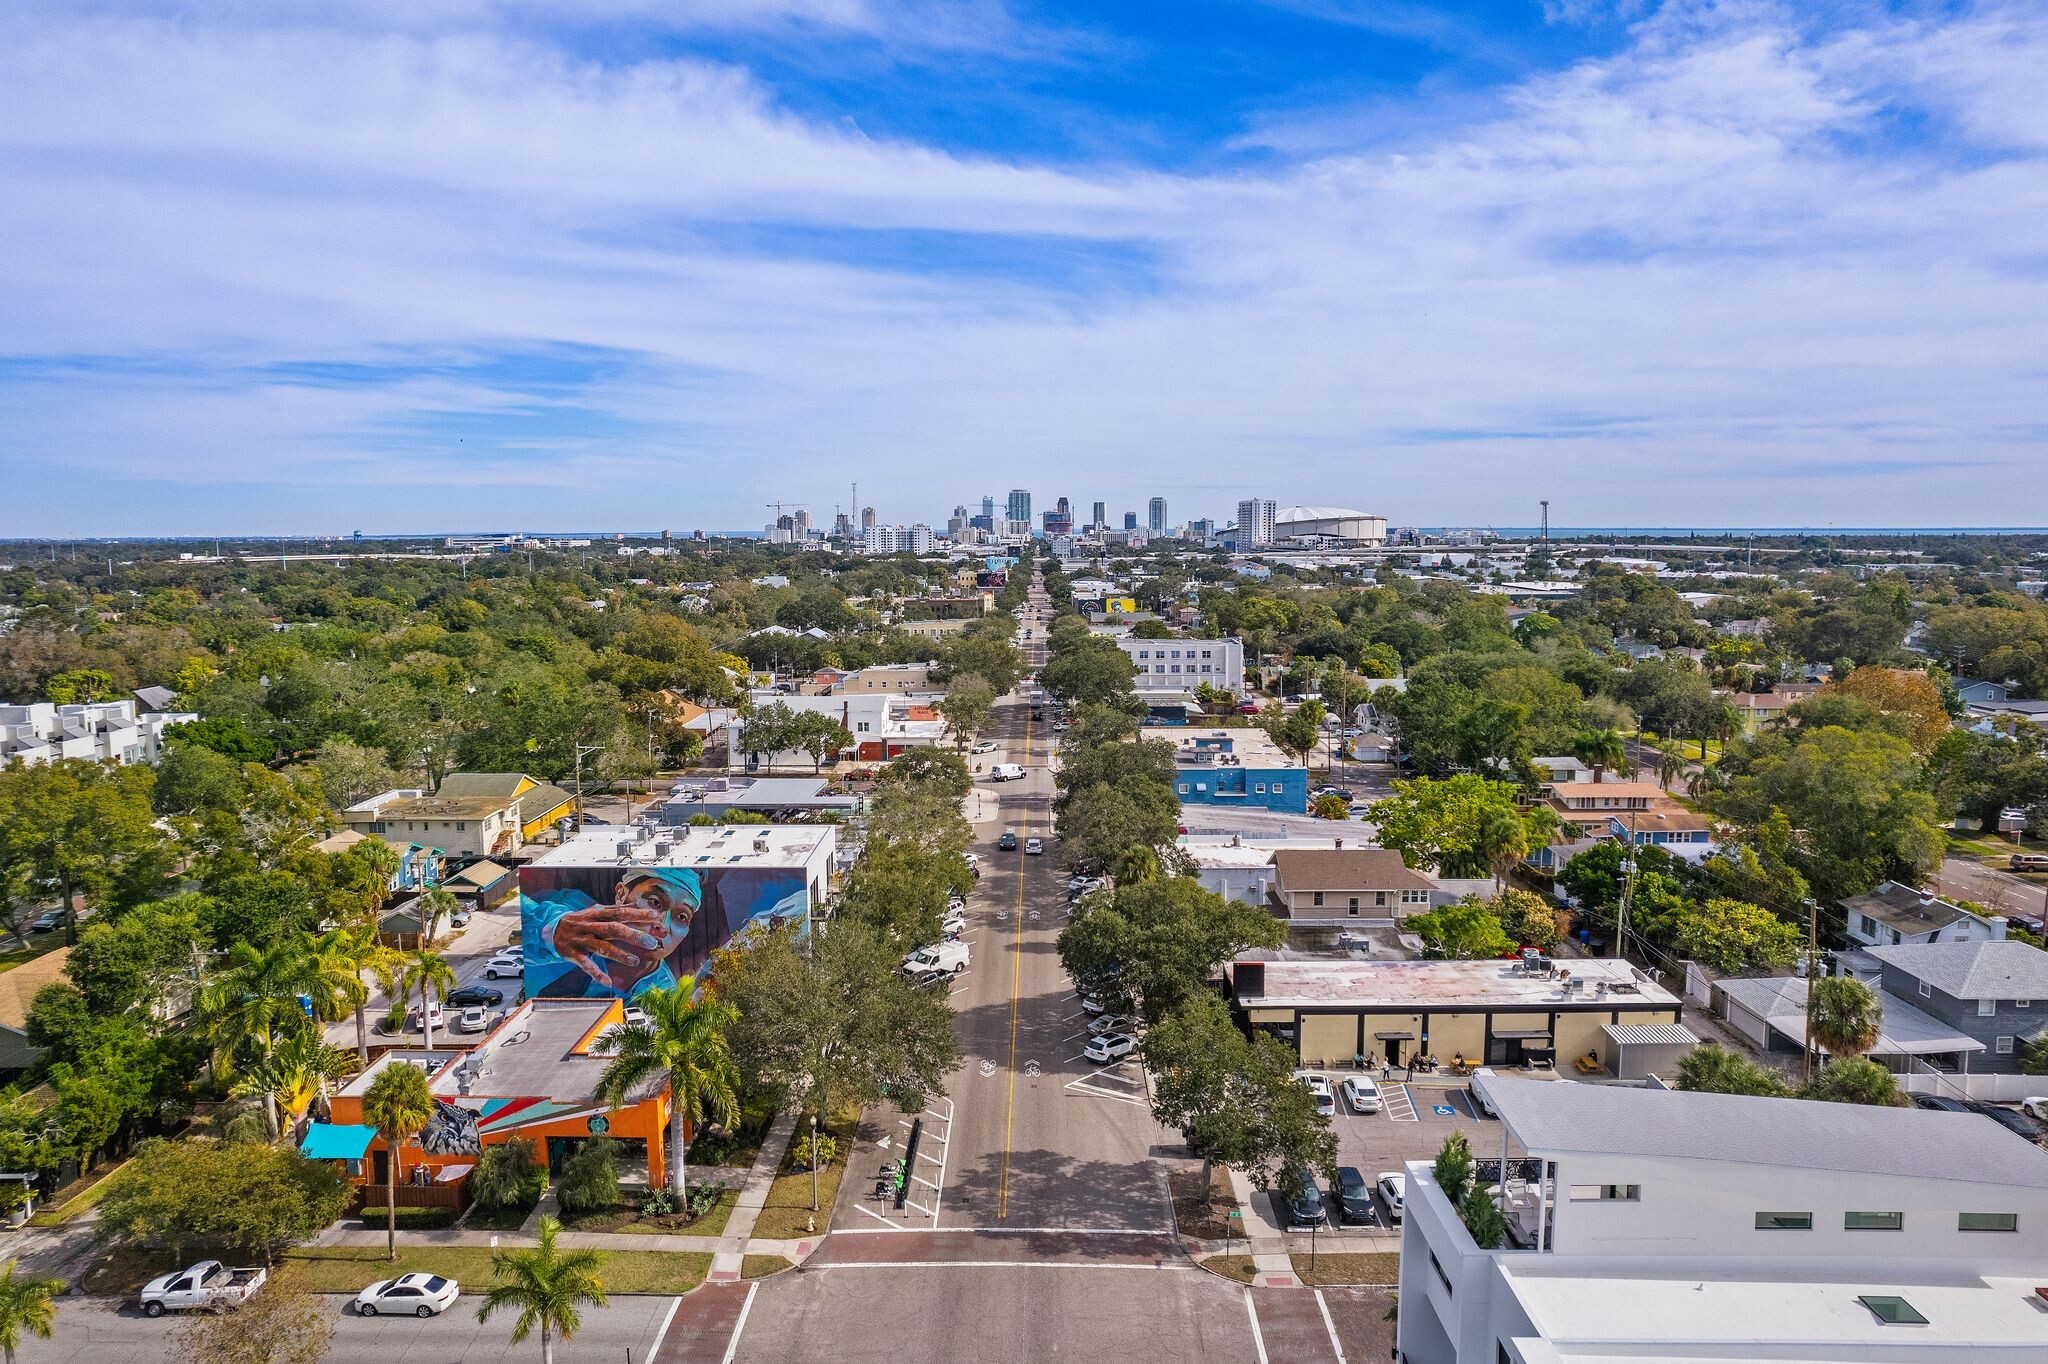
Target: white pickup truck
pixel 209 1284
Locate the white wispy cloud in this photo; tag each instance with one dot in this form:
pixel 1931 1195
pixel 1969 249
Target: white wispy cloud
pixel 1746 269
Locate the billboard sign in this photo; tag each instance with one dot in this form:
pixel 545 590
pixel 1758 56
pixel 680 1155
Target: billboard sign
pixel 611 932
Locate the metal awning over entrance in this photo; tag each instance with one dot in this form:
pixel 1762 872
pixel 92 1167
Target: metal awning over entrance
pixel 1395 1036
pixel 1523 1034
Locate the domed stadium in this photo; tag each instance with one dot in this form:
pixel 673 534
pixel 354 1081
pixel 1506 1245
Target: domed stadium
pixel 1329 523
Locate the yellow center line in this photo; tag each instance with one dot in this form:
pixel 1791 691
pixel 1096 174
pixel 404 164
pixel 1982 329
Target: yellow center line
pixel 1016 990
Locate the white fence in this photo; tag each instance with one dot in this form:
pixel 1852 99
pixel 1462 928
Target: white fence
pixel 1923 1079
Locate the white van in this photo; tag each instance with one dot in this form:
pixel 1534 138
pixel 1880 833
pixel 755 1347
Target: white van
pixel 1482 1100
pixel 945 956
pixel 1006 772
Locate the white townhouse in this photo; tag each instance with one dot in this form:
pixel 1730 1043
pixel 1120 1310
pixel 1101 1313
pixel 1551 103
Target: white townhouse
pixel 1181 665
pixel 1649 1224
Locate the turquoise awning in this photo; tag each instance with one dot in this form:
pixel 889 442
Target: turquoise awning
pixel 336 1141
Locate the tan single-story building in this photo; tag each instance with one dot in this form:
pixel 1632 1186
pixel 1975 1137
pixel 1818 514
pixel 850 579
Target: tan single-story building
pixel 1495 1012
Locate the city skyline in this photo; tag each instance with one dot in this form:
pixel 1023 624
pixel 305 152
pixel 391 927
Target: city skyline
pixel 279 270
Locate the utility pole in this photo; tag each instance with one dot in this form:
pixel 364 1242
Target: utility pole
pixel 582 749
pixel 1628 892
pixel 1812 964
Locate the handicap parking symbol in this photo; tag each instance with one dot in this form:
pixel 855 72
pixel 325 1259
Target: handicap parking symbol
pixel 1444 1110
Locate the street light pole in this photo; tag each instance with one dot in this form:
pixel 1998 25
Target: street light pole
pixel 582 749
pixel 1812 945
pixel 814 1162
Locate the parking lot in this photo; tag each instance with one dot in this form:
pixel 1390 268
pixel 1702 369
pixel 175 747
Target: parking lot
pixel 1413 1121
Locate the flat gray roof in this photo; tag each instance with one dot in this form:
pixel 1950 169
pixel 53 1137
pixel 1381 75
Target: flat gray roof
pixel 1553 1119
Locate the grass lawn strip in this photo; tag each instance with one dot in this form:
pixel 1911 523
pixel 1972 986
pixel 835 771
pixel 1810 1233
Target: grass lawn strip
pixel 787 1212
pixel 349 1269
pixel 1238 1267
pixel 1379 1268
pixel 761 1266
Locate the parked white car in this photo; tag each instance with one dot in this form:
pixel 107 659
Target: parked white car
pixel 1319 1085
pixel 505 966
pixel 210 1285
pixel 1361 1095
pixel 985 746
pixel 1393 1189
pixel 475 1019
pixel 1109 1047
pixel 412 1295
pixel 2035 1107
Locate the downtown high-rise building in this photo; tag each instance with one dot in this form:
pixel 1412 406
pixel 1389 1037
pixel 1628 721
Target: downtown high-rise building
pixel 1018 507
pixel 988 505
pixel 1130 520
pixel 1155 516
pixel 1255 522
pixel 1100 520
pixel 867 519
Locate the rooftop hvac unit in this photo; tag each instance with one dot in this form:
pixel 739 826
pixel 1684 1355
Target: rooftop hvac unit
pixel 625 849
pixel 761 845
pixel 662 848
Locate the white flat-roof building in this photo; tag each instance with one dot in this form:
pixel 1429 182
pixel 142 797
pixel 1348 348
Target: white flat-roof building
pixel 1648 1224
pixel 95 731
pixel 1181 665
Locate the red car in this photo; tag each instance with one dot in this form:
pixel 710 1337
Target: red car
pixel 1248 708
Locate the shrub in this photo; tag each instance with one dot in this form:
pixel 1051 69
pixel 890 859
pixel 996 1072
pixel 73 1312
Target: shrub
pixel 590 1178
pixel 810 1152
pixel 507 1176
pixel 658 1203
pixel 376 1217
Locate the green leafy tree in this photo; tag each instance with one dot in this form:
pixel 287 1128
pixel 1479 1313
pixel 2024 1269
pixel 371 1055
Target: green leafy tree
pixel 1149 948
pixel 968 703
pixel 1600 749
pixel 828 1019
pixel 1730 936
pixel 26 1305
pixel 1468 930
pixel 293 1075
pixel 1234 1098
pixel 1855 1080
pixel 1712 1069
pixel 682 1044
pixel 233 1199
pixel 398 1104
pixel 1527 918
pixel 547 1286
pixel 341 957
pixel 1442 824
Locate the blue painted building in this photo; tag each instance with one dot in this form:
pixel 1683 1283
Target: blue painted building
pixel 1238 767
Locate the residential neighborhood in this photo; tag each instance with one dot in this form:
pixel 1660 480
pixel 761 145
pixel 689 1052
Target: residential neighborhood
pixel 1489 928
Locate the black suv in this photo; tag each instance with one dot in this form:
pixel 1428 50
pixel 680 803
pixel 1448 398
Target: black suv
pixel 1008 842
pixel 470 996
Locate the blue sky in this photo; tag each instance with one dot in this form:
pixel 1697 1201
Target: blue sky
pixel 272 268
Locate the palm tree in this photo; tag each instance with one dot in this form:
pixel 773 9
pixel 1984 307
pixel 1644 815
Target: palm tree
pixel 1671 762
pixel 340 956
pixel 1504 839
pixel 433 905
pixel 293 1075
pixel 25 1306
pixel 546 1285
pixel 682 1040
pixel 1844 1015
pixel 426 972
pixel 255 1001
pixel 398 1104
pixel 1601 748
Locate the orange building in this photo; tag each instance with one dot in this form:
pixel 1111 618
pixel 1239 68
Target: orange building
pixel 534 1076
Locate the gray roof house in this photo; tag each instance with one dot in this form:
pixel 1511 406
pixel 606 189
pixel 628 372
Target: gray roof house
pixel 1996 992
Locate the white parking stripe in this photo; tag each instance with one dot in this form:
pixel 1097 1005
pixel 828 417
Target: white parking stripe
pixel 733 1347
pixel 1258 1338
pixel 1400 1104
pixel 1329 1326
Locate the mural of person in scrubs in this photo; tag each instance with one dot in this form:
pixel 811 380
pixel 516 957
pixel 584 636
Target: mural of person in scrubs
pixel 659 926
